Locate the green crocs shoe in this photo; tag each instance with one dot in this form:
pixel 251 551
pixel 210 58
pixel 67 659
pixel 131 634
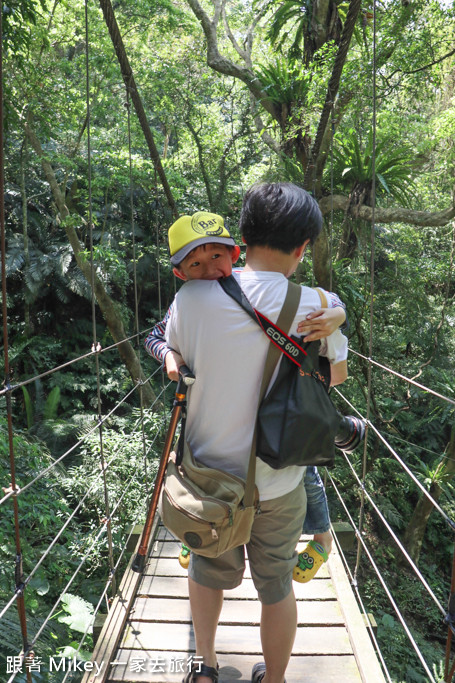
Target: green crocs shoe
pixel 184 556
pixel 309 562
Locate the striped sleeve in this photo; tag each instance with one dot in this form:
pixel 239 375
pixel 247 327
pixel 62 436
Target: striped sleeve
pixel 155 342
pixel 334 300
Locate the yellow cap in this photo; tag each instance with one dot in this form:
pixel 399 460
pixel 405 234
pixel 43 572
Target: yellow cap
pixel 188 232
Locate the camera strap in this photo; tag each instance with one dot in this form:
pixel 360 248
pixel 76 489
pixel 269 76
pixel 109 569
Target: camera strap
pixel 288 346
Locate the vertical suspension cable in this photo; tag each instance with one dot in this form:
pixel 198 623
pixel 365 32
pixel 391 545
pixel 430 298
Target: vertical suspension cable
pixel 157 232
pixel 450 620
pixel 332 135
pixel 96 346
pixel 136 301
pixel 158 274
pixel 19 578
pixel 370 347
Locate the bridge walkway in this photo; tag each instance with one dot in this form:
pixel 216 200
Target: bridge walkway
pixel 148 635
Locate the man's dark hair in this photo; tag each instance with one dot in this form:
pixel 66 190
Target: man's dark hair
pixel 280 216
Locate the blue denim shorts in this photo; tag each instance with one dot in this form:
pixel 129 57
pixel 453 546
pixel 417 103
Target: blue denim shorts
pixel 317 519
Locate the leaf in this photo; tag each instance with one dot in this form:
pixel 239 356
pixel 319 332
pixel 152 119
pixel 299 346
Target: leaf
pixel 80 613
pixel 69 652
pixel 51 405
pixel 40 584
pixel 28 407
pixel 381 179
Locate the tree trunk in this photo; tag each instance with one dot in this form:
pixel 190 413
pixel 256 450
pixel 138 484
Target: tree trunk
pixel 321 261
pixel 106 304
pixel 332 89
pixel 393 215
pixel 128 79
pixel 415 531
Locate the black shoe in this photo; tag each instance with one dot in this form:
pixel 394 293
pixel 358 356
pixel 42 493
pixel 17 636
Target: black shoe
pixel 199 670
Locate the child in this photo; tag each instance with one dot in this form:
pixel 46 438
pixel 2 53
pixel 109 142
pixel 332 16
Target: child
pixel 202 248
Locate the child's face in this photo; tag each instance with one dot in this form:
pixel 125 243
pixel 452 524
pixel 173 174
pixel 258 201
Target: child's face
pixel 208 262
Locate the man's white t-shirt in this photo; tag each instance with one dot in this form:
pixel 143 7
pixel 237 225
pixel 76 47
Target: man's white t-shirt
pixel 226 350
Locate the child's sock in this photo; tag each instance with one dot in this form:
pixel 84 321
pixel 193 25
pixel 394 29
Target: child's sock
pixel 309 561
pixel 184 556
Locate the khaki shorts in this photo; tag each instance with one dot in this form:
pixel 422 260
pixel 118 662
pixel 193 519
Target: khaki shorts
pixel 271 551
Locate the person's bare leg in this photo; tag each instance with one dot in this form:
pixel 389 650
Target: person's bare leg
pixel 206 604
pixel 278 629
pixel 325 540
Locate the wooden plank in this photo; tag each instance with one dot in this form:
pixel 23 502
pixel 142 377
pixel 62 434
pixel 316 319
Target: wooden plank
pixel 311 640
pixel 366 657
pixel 112 630
pixel 177 587
pixel 234 612
pixel 137 667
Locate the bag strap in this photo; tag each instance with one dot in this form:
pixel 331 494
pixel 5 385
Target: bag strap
pixel 274 331
pixel 285 320
pixel 322 296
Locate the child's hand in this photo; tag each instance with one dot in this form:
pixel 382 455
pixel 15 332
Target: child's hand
pixel 173 361
pixel 321 323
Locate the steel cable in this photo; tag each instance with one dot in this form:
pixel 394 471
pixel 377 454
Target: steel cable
pixel 12 387
pixel 384 585
pixel 403 377
pixel 450 522
pixel 74 446
pixel 354 586
pixel 103 528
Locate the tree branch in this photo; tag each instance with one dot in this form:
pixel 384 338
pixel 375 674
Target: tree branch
pixel 261 128
pixel 226 66
pixel 427 219
pixel 333 86
pixel 423 68
pixel 200 152
pixel 128 79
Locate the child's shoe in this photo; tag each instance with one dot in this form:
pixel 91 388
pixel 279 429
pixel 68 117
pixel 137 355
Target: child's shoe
pixel 309 561
pixel 184 556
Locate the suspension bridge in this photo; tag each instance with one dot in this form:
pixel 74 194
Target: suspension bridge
pixel 146 633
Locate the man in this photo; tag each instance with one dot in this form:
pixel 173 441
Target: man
pixel 226 350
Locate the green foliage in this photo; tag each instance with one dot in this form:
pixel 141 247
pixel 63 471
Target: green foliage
pixel 212 147
pixel 294 12
pixel 19 19
pixel 291 23
pixel 111 262
pixel 51 405
pixel 285 82
pixel 28 407
pixel 405 666
pixel 353 165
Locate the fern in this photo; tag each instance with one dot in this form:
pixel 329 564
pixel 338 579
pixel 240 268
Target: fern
pixel 29 411
pixel 51 405
pixel 285 82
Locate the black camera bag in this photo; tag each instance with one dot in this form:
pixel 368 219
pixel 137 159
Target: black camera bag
pixel 297 421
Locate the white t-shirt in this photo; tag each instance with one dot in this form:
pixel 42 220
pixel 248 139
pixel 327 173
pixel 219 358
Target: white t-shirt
pixel 226 350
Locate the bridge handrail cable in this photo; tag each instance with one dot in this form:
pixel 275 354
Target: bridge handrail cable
pixel 396 609
pixel 426 493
